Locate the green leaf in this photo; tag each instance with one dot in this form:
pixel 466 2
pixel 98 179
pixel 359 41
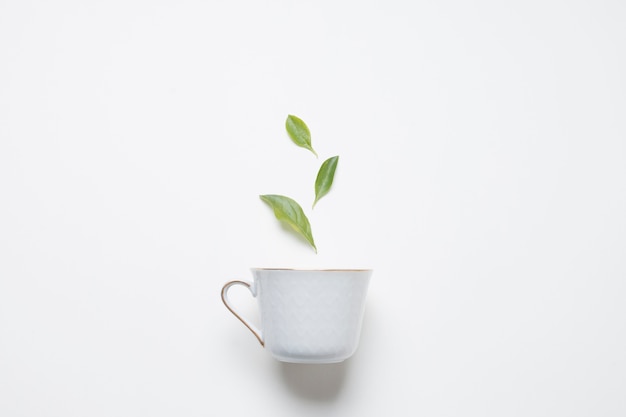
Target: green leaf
pixel 299 133
pixel 325 178
pixel 290 212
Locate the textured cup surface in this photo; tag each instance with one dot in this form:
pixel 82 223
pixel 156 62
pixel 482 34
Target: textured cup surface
pixel 311 316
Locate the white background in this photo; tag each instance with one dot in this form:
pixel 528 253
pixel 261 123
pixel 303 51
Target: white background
pixel 482 175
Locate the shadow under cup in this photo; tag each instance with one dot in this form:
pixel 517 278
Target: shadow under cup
pixel 307 316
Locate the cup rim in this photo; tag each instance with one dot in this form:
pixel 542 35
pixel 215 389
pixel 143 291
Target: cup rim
pixel 315 269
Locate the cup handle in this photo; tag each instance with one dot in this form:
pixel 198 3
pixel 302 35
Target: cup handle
pixel 252 290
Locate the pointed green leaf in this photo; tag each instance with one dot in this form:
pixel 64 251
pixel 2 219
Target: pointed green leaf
pixel 299 133
pixel 325 178
pixel 290 212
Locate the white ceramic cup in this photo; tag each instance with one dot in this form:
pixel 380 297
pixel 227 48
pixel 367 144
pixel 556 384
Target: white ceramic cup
pixel 307 316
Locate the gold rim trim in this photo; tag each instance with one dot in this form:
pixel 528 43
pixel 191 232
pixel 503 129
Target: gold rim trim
pixel 313 270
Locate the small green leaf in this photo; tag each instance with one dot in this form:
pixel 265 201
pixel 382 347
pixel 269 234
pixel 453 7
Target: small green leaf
pixel 325 178
pixel 299 133
pixel 290 212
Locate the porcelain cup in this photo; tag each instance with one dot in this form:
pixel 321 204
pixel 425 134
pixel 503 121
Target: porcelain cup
pixel 307 316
